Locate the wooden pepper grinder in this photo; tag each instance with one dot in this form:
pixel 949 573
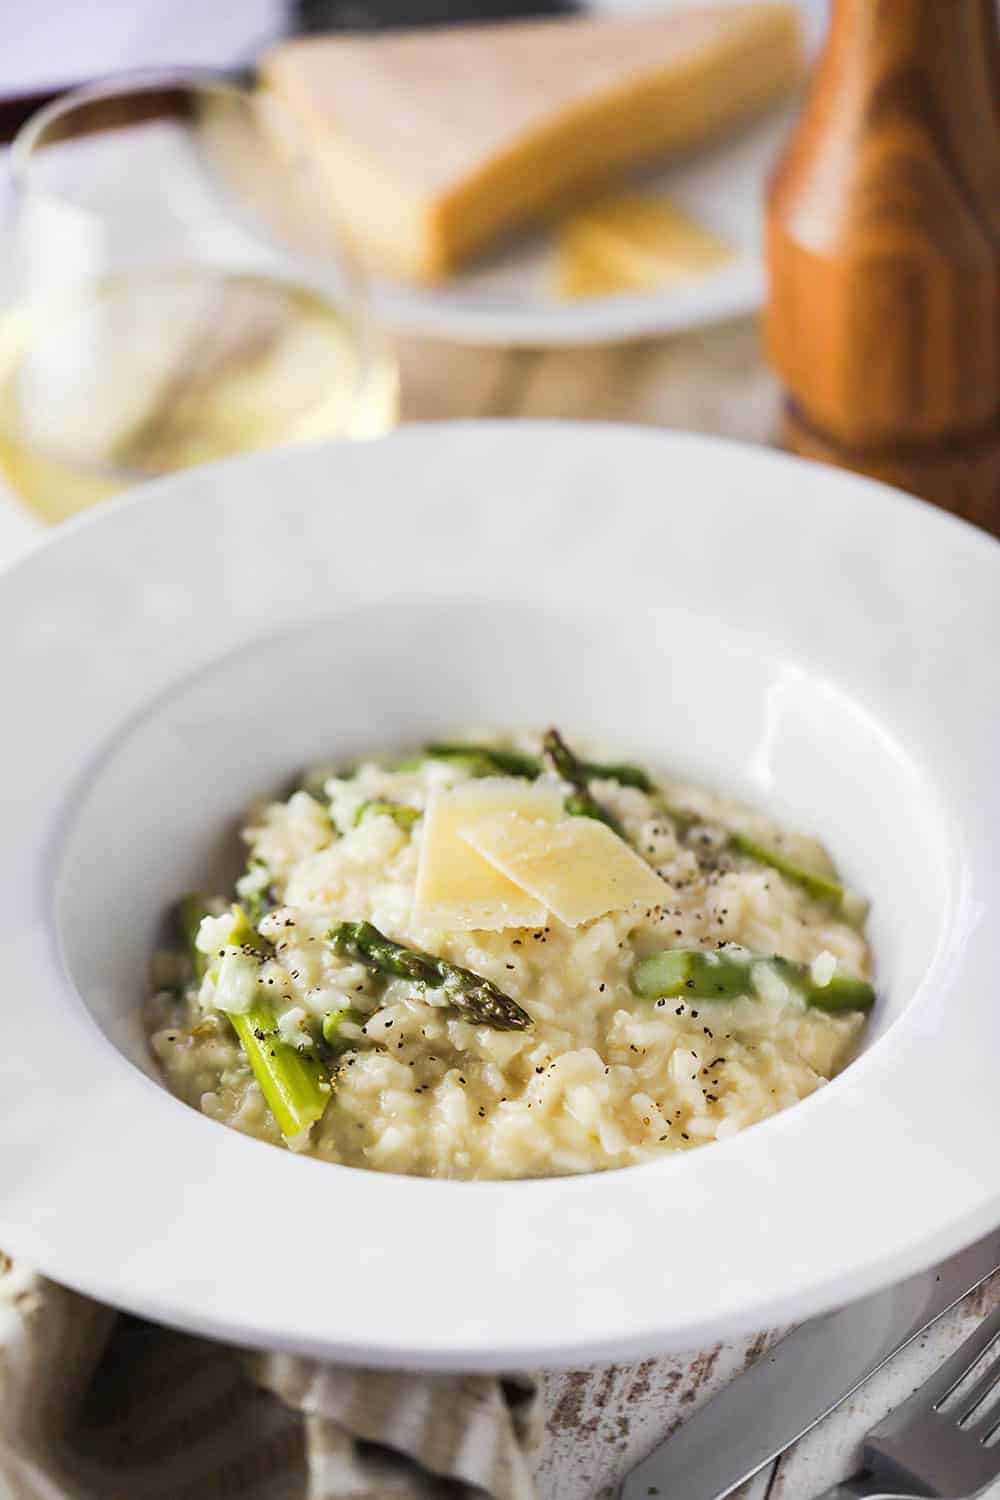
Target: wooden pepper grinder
pixel 883 243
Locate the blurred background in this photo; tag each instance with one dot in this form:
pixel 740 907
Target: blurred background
pixel 311 219
pixel 106 373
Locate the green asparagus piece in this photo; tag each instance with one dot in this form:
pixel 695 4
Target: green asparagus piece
pixel 505 762
pixel 332 1022
pixel 842 992
pixel 682 818
pixel 295 1084
pixel 579 803
pixel 257 906
pixel 315 779
pixel 692 973
pixel 188 914
pixel 474 997
pixel 623 773
pixel 243 933
pixel 820 887
pixel 403 817
pixel 254 894
pixel 486 760
pixel 702 974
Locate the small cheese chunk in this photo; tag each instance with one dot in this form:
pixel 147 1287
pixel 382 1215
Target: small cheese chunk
pixel 578 867
pixel 632 243
pixel 456 888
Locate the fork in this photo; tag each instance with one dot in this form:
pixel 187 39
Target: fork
pixel 936 1443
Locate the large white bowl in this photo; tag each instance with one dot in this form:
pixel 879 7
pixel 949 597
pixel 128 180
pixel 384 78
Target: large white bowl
pixel 810 640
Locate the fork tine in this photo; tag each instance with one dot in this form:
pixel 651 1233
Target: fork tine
pixel 977 1394
pixel 986 1426
pixel 941 1385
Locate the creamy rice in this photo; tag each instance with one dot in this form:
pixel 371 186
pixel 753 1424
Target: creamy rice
pixel 601 1079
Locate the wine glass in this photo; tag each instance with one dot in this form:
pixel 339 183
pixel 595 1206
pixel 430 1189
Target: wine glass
pixel 175 289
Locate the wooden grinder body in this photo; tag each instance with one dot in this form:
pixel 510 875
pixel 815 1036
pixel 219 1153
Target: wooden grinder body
pixel 884 252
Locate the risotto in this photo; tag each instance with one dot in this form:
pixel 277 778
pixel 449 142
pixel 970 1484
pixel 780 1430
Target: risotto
pixel 498 959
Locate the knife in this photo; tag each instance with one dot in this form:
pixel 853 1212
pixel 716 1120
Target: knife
pixel 800 1381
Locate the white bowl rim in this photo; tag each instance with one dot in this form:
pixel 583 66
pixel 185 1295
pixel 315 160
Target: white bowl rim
pixel 163 1248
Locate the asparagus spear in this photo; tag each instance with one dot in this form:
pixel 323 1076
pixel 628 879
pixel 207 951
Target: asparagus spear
pixel 486 760
pixel 820 887
pixel 841 992
pixel 253 889
pixel 579 803
pixel 188 914
pixel 243 934
pixel 333 1021
pixel 690 972
pixel 474 997
pixel 295 1084
pixel 258 905
pixel 315 779
pixel 620 771
pixel 506 762
pixel 405 763
pixel 403 817
pixel 682 818
pixel 700 974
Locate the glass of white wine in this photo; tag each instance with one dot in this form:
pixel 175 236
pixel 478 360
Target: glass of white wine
pixel 175 289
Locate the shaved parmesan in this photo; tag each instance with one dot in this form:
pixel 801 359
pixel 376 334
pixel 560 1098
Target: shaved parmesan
pixel 457 889
pixel 635 243
pixel 578 868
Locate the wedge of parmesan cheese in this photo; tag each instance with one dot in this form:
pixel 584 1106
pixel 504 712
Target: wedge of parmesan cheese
pixel 633 243
pixel 459 890
pixel 437 141
pixel 577 868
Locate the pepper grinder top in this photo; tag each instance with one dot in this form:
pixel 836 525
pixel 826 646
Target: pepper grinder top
pixel 883 244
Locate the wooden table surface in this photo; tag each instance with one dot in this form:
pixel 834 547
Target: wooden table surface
pixel 602 1420
pixel 711 380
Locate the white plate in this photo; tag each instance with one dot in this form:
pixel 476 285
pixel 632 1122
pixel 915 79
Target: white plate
pixel 506 299
pixel 795 634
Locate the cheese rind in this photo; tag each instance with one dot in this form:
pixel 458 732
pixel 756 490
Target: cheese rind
pixel 434 142
pixel 577 868
pixel 457 889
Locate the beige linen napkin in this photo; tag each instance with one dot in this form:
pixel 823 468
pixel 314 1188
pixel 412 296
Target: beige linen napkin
pixel 96 1405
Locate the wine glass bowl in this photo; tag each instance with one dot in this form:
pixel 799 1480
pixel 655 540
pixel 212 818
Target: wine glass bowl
pixel 175 290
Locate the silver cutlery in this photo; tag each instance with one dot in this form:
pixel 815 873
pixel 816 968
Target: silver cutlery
pixel 800 1381
pixel 943 1439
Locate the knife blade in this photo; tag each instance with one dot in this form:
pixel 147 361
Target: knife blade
pixel 801 1380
